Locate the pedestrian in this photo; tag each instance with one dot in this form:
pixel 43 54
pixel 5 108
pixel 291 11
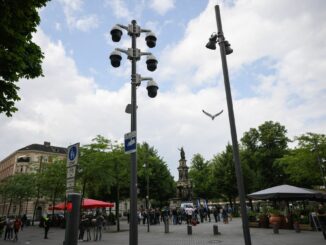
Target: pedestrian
pixel 99 226
pixel 82 227
pixel 201 214
pixel 88 228
pixel 24 221
pixel 47 223
pixel 216 214
pixel 189 210
pixel 17 226
pixel 9 229
pixel 225 216
pixel 209 214
pixel 2 225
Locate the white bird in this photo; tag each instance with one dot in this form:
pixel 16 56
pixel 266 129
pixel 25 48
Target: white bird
pixel 211 116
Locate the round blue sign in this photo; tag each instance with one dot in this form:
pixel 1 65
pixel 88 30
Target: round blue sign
pixel 72 153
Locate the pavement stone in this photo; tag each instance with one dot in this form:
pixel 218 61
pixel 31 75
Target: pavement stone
pixel 202 234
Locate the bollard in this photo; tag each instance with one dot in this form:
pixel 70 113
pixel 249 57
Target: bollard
pixel 71 233
pixel 189 229
pixel 166 224
pixel 215 230
pixel 275 228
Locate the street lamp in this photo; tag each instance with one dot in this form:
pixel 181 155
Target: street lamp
pixel 134 55
pixel 225 49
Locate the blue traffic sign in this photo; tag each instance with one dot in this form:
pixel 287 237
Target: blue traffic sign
pixel 72 154
pixel 130 142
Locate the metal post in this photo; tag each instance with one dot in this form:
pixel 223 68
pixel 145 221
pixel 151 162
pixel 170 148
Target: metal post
pixel 147 195
pixel 236 157
pixel 71 233
pixel 133 234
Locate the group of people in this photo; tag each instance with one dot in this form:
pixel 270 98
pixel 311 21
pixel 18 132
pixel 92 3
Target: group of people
pixel 91 224
pixel 153 216
pixel 12 226
pixel 188 215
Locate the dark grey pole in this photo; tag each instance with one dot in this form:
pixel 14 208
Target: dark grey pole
pixel 71 232
pixel 237 166
pixel 133 234
pixel 147 194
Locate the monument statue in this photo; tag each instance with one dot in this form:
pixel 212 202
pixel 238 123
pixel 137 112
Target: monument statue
pixel 182 153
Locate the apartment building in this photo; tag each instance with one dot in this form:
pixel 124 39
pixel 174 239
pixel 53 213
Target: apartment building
pixel 28 159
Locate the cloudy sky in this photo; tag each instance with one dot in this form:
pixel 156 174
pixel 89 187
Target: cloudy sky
pixel 277 72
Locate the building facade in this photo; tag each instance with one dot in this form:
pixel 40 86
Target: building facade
pixel 29 159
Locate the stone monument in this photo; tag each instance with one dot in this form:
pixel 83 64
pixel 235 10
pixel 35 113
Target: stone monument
pixel 184 187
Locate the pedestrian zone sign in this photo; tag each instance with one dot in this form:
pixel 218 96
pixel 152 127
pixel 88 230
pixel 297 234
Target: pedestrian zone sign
pixel 72 162
pixel 130 142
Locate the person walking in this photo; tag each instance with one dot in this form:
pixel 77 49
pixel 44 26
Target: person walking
pixel 88 228
pixel 82 227
pixel 24 221
pixel 47 222
pixel 9 229
pixel 17 226
pixel 99 226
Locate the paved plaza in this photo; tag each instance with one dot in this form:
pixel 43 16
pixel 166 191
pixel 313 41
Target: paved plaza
pixel 231 234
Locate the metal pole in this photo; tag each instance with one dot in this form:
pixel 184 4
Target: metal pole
pixel 237 166
pixel 133 234
pixel 71 232
pixel 147 195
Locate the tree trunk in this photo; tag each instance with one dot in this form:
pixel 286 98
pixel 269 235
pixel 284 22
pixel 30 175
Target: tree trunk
pixel 20 206
pixel 26 205
pixel 53 202
pixel 36 204
pixel 4 205
pixel 9 206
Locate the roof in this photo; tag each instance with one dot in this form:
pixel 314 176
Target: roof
pixel 287 192
pixel 44 148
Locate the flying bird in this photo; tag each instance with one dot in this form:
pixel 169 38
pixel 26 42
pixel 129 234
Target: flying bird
pixel 211 116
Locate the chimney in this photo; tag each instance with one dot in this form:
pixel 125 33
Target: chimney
pixel 46 143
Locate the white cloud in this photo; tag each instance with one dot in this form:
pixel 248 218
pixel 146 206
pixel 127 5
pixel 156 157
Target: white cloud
pixel 72 10
pixel 65 107
pixel 162 7
pixel 119 8
pixel 57 26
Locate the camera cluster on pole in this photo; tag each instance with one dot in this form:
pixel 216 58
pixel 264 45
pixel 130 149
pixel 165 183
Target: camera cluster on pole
pixel 151 61
pixel 134 55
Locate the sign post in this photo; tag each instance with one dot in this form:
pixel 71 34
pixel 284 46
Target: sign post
pixel 72 162
pixel 71 232
pixel 131 142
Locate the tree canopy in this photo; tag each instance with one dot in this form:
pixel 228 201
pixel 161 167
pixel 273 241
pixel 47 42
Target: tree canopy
pixel 20 57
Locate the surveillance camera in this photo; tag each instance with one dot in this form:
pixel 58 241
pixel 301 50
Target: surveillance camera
pixel 151 63
pixel 152 88
pixel 228 49
pixel 151 40
pixel 115 58
pixel 116 33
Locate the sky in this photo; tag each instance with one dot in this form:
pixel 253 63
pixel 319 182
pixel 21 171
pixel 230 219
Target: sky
pixel 277 73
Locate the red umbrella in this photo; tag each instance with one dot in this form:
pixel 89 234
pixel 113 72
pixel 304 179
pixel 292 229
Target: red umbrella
pixel 86 204
pixel 91 203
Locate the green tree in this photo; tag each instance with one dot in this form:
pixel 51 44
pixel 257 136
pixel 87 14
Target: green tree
pixel 260 150
pixel 304 165
pixel 200 175
pixel 18 188
pixel 96 168
pixel 161 182
pixel 224 179
pixel 19 56
pixel 53 180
